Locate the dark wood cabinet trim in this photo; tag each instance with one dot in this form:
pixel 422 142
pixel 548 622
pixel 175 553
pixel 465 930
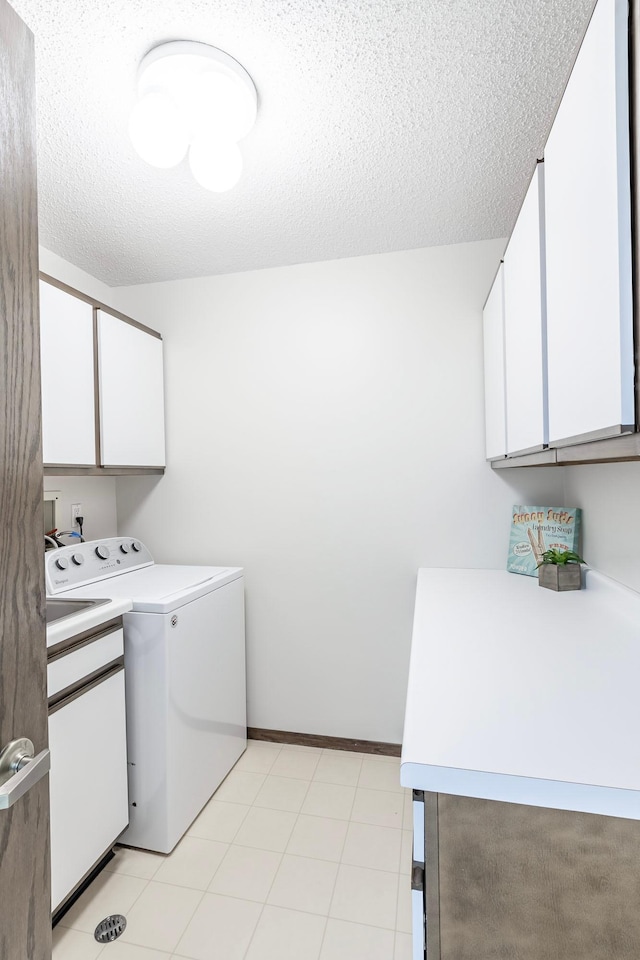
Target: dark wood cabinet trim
pixel 63 466
pixel 606 433
pixel 64 470
pixel 621 449
pixel 98 305
pixel 96 387
pixel 78 689
pixel 539 448
pixel 634 166
pixel 82 885
pixel 432 876
pixel 78 640
pixel 545 458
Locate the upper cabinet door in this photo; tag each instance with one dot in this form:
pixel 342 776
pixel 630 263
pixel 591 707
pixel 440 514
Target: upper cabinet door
pixel 68 386
pixel 525 326
pixel 131 395
pixel 494 394
pixel 588 240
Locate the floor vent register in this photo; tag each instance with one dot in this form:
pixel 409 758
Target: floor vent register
pixel 110 928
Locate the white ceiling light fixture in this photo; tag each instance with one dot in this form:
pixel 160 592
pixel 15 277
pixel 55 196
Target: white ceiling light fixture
pixel 197 98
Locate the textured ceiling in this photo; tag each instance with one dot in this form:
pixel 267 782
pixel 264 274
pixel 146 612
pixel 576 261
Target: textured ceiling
pixel 382 125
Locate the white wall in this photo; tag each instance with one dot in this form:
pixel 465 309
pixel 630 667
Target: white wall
pixel 98 498
pixel 325 431
pixel 68 273
pixel 609 496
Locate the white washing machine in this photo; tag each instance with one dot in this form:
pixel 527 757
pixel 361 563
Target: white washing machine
pixel 184 675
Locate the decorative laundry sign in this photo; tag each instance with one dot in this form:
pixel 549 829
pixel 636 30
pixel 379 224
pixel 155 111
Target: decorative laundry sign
pixel 536 529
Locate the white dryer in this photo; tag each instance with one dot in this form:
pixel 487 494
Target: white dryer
pixel 184 675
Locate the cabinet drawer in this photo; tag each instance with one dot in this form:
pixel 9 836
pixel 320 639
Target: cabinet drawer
pixel 69 668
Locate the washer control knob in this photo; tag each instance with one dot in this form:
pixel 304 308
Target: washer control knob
pixel 103 552
pixel 78 559
pixel 125 547
pixel 136 545
pixel 62 563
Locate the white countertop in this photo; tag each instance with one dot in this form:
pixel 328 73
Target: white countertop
pixel 522 694
pixel 85 620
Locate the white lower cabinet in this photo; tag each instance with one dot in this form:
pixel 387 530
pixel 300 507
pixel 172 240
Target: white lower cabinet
pixel 88 790
pixel 88 783
pixel 506 880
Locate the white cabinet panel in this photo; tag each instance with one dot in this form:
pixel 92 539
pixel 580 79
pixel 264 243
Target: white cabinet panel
pixel 74 666
pixel 494 385
pixel 68 401
pixel 88 782
pixel 588 239
pixel 131 394
pixel 417 923
pixel 417 890
pixel 525 326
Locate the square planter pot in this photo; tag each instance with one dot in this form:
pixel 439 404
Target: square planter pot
pixel 556 576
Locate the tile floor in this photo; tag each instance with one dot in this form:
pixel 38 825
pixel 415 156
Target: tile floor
pixel 302 854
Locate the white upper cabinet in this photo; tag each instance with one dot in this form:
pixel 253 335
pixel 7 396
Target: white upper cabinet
pixel 525 322
pixel 494 385
pixel 131 394
pixel 68 387
pixel 588 240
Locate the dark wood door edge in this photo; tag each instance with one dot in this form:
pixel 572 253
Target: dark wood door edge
pixel 25 872
pixel 375 747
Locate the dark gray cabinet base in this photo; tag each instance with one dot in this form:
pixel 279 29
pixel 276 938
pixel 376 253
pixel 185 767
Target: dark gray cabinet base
pixel 510 882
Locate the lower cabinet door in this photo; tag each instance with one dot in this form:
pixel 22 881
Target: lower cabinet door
pixel 87 783
pixel 536 884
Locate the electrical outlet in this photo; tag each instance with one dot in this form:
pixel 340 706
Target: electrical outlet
pixel 76 511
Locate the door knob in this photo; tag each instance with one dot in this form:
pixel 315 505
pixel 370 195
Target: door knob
pixel 20 770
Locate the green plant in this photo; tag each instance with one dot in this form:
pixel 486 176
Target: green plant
pixel 560 557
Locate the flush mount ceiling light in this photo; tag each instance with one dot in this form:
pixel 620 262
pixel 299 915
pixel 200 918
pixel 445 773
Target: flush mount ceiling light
pixel 193 97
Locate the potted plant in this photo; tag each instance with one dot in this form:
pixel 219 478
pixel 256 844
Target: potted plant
pixel 560 570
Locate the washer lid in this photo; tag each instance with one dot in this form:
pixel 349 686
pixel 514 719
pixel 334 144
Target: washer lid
pixel 161 587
